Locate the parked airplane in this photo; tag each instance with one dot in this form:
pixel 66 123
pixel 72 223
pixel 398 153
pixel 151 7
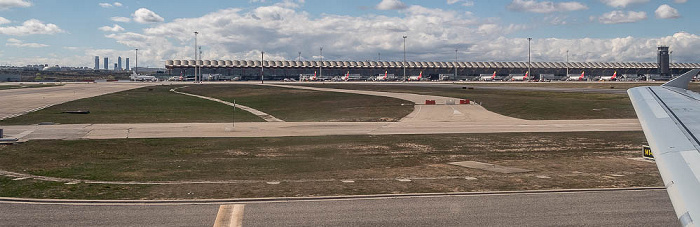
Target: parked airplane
pixel 384 78
pixel 609 78
pixel 520 78
pixel 137 77
pixel 486 77
pixel 416 78
pixel 579 78
pixel 668 115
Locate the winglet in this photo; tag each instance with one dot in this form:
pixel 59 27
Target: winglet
pixel 683 80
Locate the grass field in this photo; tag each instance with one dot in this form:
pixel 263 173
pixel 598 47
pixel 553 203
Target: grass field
pixel 558 160
pixel 154 104
pixel 532 105
pixel 306 105
pixel 157 104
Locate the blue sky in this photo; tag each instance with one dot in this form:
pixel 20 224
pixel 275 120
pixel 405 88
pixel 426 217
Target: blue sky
pixel 71 33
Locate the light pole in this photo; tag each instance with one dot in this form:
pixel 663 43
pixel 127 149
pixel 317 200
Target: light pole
pixel 320 64
pixel 379 56
pixel 200 67
pixel 262 67
pixel 404 58
pixel 299 56
pixel 528 57
pixel 567 64
pixel 455 64
pixel 137 61
pixel 195 56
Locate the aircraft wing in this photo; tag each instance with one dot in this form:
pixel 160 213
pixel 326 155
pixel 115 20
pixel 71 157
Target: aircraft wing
pixel 670 117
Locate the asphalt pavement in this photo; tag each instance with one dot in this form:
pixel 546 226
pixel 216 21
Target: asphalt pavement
pixel 648 207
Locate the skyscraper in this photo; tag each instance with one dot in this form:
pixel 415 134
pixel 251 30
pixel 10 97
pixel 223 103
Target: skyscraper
pixel 106 63
pixel 127 65
pixel 119 63
pixel 97 62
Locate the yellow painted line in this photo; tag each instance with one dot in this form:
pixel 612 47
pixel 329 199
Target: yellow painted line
pixel 230 216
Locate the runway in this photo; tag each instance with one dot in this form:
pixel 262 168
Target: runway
pixel 649 207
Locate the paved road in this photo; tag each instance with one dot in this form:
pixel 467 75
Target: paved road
pixel 596 208
pixel 20 101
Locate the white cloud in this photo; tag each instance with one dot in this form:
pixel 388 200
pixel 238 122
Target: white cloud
pixel 555 20
pixel 622 3
pixel 115 28
pixel 4 21
pixel 120 19
pixel 545 6
pixel 31 27
pixel 145 16
pixel 467 3
pixel 619 17
pixel 685 48
pixel 6 4
pixel 110 5
pixel 391 5
pixel 680 1
pixel 666 12
pixel 20 43
pixel 433 35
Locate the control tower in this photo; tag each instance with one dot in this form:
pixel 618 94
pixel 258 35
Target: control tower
pixel 663 62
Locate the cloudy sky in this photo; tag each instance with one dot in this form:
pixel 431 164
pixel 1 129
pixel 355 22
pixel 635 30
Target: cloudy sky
pixel 71 33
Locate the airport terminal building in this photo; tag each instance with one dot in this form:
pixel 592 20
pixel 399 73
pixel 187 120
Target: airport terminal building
pixel 369 70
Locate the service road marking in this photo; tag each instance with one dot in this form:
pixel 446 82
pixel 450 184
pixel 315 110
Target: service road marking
pixel 230 216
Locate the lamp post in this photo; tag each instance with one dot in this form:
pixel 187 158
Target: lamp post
pixel 195 56
pixel 262 67
pixel 320 64
pixel 455 64
pixel 528 57
pixel 404 58
pixel 379 56
pixel 567 64
pixel 200 67
pixel 299 56
pixel 136 69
